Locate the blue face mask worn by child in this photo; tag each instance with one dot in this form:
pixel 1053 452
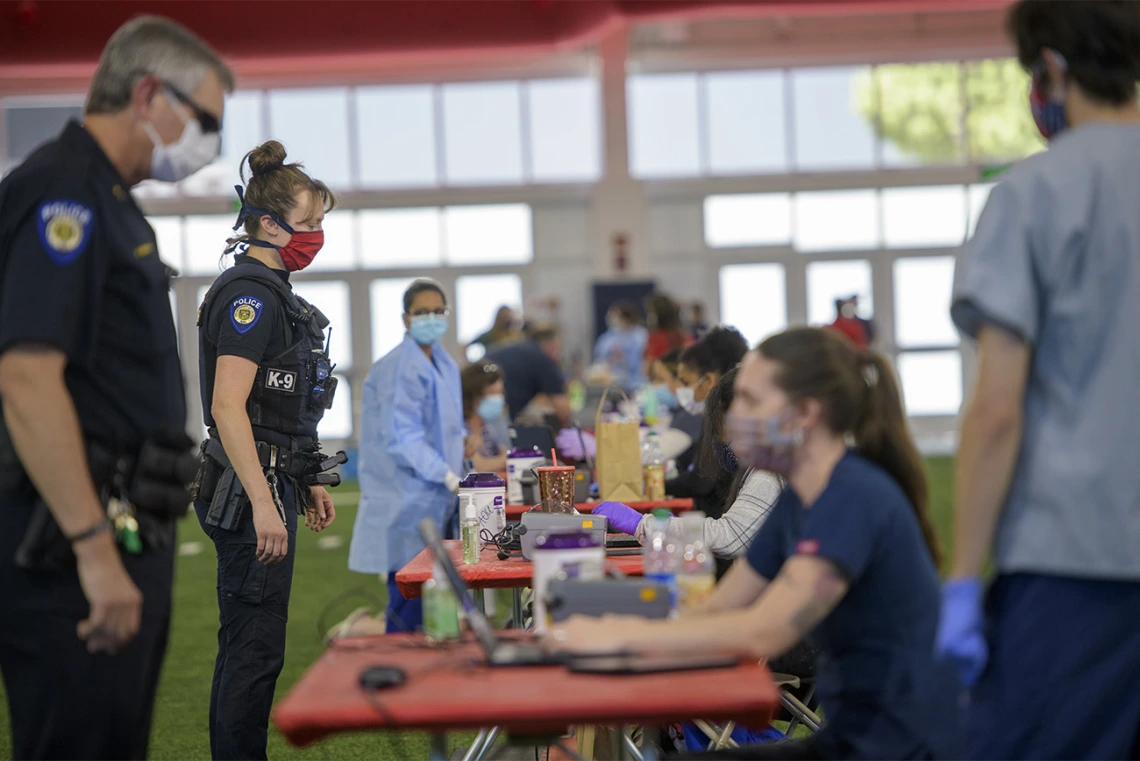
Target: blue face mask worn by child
pixel 665 396
pixel 491 408
pixel 1047 104
pixel 427 329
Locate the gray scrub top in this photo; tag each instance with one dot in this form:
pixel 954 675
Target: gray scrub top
pixel 1056 260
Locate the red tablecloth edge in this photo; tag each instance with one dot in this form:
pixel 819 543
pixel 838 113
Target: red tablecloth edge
pixel 302 722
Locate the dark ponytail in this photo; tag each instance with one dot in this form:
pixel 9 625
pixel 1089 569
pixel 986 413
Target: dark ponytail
pixel 882 436
pixel 858 395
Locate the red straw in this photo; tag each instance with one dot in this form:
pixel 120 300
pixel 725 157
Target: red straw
pixel 554 456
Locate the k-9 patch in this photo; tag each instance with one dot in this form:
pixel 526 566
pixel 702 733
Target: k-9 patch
pixel 64 227
pixel 244 313
pixel 280 380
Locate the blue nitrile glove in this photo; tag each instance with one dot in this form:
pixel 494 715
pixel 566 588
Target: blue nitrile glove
pixel 569 442
pixel 621 517
pixel 961 639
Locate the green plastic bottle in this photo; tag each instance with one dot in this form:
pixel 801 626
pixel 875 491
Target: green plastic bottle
pixel 441 608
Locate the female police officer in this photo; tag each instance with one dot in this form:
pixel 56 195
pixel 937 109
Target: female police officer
pixel 266 381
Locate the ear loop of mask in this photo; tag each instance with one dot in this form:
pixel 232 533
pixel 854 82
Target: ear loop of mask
pixel 247 211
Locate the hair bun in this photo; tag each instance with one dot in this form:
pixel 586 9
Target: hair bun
pixel 266 157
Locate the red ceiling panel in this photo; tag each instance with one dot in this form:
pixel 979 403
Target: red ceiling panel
pixel 74 31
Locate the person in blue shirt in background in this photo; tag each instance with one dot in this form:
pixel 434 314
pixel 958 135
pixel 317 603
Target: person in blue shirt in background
pixel 847 555
pixel 411 449
pixel 1046 476
pixel 622 347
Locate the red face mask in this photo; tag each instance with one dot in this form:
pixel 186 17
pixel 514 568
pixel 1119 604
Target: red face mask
pixel 301 249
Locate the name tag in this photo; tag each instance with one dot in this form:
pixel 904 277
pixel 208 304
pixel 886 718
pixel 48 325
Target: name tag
pixel 280 380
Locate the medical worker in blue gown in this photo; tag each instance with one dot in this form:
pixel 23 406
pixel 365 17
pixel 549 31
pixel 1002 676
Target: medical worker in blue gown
pixel 411 449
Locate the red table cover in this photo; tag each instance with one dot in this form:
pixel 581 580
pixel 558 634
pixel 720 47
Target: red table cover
pixel 489 572
pixel 450 690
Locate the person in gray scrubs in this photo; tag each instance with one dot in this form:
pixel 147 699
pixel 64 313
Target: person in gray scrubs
pixel 1048 469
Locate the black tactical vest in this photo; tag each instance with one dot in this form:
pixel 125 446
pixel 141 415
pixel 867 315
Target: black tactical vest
pixel 293 389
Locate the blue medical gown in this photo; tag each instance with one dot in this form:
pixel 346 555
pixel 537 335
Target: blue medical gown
pixel 411 435
pixel 623 351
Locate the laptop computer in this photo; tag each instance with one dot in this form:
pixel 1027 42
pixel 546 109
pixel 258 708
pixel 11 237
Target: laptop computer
pixel 505 653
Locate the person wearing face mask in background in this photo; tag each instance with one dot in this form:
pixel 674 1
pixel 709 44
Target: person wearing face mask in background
pixel 266 380
pixel 89 372
pixel 483 405
pixel 848 323
pixel 848 538
pixel 1045 480
pixel 411 449
pixel 745 503
pixel 621 347
pixel 663 376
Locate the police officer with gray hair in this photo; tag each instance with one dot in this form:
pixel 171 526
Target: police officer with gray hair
pixel 94 457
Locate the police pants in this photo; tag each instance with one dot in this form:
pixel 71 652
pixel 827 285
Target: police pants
pixel 1063 671
pixel 63 701
pixel 253 606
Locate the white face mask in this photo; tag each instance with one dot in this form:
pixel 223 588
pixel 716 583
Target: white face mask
pixel 688 402
pixel 186 155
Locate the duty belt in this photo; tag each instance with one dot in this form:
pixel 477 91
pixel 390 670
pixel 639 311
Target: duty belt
pixel 289 462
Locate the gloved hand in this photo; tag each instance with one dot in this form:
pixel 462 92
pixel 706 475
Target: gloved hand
pixel 569 442
pixel 451 481
pixel 961 640
pixel 622 517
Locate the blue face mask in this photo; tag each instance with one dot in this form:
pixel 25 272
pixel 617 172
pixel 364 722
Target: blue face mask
pixel 491 408
pixel 665 397
pixel 427 329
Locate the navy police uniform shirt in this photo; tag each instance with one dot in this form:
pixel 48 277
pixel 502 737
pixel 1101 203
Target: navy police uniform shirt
pixel 80 272
pixel 882 692
pixel 246 320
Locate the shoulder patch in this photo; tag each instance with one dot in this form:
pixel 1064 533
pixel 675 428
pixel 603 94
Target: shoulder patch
pixel 65 229
pixel 245 311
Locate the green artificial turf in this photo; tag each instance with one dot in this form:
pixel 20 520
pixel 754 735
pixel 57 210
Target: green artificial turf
pixel 320 575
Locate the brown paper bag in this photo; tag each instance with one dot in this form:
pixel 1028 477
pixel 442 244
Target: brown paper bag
pixel 619 458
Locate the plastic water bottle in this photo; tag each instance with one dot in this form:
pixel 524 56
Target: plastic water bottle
pixel 441 607
pixel 469 531
pixel 653 464
pixel 697 576
pixel 662 553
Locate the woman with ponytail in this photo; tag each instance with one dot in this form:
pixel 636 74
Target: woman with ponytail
pixel 266 381
pixel 847 555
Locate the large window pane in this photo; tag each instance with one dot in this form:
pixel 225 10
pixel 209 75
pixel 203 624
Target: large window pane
pixel 663 133
pixel 920 114
pixel 565 126
pixel 243 129
pixel 979 194
pixel 746 122
pixel 753 299
pixel 331 297
pixel 313 125
pixel 833 129
pixel 337 422
pixel 828 281
pixel 922 301
pixel 482 133
pixel 386 305
pixel 476 235
pixel 924 217
pixel 396 130
pixel 931 381
pixel 206 237
pixel 762 219
pixel 837 220
pixel 168 234
pixel 400 238
pixel 27 127
pixel 478 298
pixel 999 126
pixel 339 251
